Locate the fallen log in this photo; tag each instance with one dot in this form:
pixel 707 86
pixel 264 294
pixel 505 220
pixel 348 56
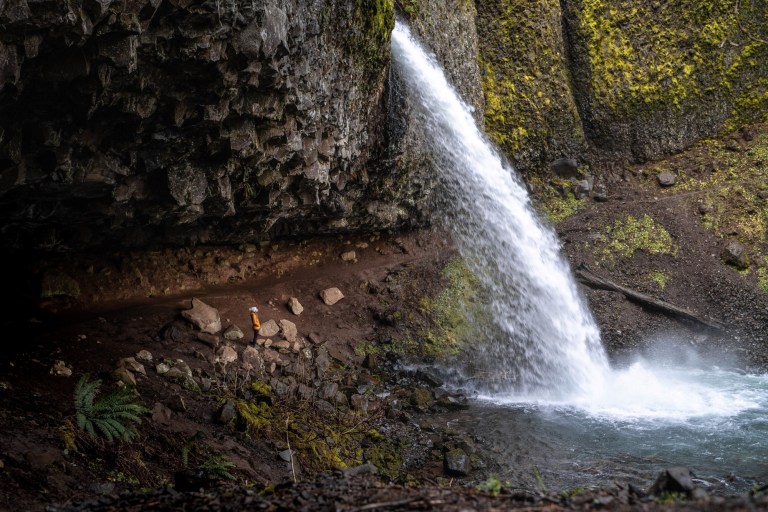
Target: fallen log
pixel 585 276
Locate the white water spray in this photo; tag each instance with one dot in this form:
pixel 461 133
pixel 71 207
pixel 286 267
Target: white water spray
pixel 545 342
pixel 544 346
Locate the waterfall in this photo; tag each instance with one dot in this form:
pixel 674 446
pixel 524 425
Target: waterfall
pixel 543 342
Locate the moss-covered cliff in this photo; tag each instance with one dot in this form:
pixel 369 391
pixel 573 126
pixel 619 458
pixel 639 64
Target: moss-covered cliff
pixel 634 80
pixel 653 77
pixel 530 110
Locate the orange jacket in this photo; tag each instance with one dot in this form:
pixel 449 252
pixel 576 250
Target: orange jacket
pixel 255 321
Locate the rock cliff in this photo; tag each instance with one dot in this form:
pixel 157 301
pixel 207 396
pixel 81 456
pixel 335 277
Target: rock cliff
pixel 148 121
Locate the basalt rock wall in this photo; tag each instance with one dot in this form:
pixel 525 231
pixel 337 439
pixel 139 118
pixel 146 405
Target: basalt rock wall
pixel 144 122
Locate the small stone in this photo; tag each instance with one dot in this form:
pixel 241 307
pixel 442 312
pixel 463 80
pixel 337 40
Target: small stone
pixel 267 343
pixel 161 414
pixel 125 376
pixel 131 364
pixel 144 355
pixel 349 256
pixel 176 403
pixel 294 306
pixel 225 414
pixel 457 463
pixel 286 455
pixel 735 254
pixel 251 358
pixel 162 368
pixel 666 179
pixel 60 369
pixel 282 345
pixel 331 296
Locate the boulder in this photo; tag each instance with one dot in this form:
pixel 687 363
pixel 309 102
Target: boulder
pixel 294 306
pixel 251 358
pixel 565 167
pixel 131 364
pixel 676 479
pixel 422 399
pixel 233 333
pixel 457 462
pixel 331 296
pixel 203 316
pixel 289 330
pixel 144 356
pixel 226 355
pixel 225 414
pixel 161 414
pixel 269 328
pixel 125 376
pixel 735 254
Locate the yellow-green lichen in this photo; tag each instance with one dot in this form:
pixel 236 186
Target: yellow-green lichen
pixel 657 56
pixel 631 234
pixel 449 313
pixel 660 278
pixel 529 110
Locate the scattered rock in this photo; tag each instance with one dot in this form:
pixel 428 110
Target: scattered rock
pixel 585 186
pixel 176 403
pixel 289 330
pixel 162 368
pixel 294 306
pixel 251 358
pixel 422 399
pixel 205 317
pixel 233 333
pixel 666 179
pixel 315 338
pixel 125 376
pixel 349 256
pixel 130 363
pixel 331 296
pixel 565 167
pixel 144 355
pixel 676 479
pixel 735 254
pixel 211 340
pixel 226 355
pixel 457 463
pixel 282 345
pixel 161 414
pixel 328 391
pixel 286 455
pixel 172 332
pixel 225 414
pixel 60 369
pixel 269 329
pixel 322 361
pixel 41 458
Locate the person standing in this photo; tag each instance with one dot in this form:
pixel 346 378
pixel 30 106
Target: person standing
pixel 255 322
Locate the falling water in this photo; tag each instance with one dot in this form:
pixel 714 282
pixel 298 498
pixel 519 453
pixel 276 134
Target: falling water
pixel 544 341
pixel 550 387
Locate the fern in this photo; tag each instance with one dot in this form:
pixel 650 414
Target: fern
pixel 217 465
pixel 113 416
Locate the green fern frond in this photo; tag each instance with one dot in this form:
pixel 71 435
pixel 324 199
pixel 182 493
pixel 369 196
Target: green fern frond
pixel 112 416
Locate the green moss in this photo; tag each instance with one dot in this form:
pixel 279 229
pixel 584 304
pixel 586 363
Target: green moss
pixel 660 278
pixel 253 416
pixel 529 110
pixel 762 275
pixel 374 21
pixel 449 312
pixel 631 234
pixel 653 56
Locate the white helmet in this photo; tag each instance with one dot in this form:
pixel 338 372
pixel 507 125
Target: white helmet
pixel 253 309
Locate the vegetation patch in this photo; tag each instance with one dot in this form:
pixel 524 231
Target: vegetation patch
pixel 660 278
pixel 113 416
pixel 631 234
